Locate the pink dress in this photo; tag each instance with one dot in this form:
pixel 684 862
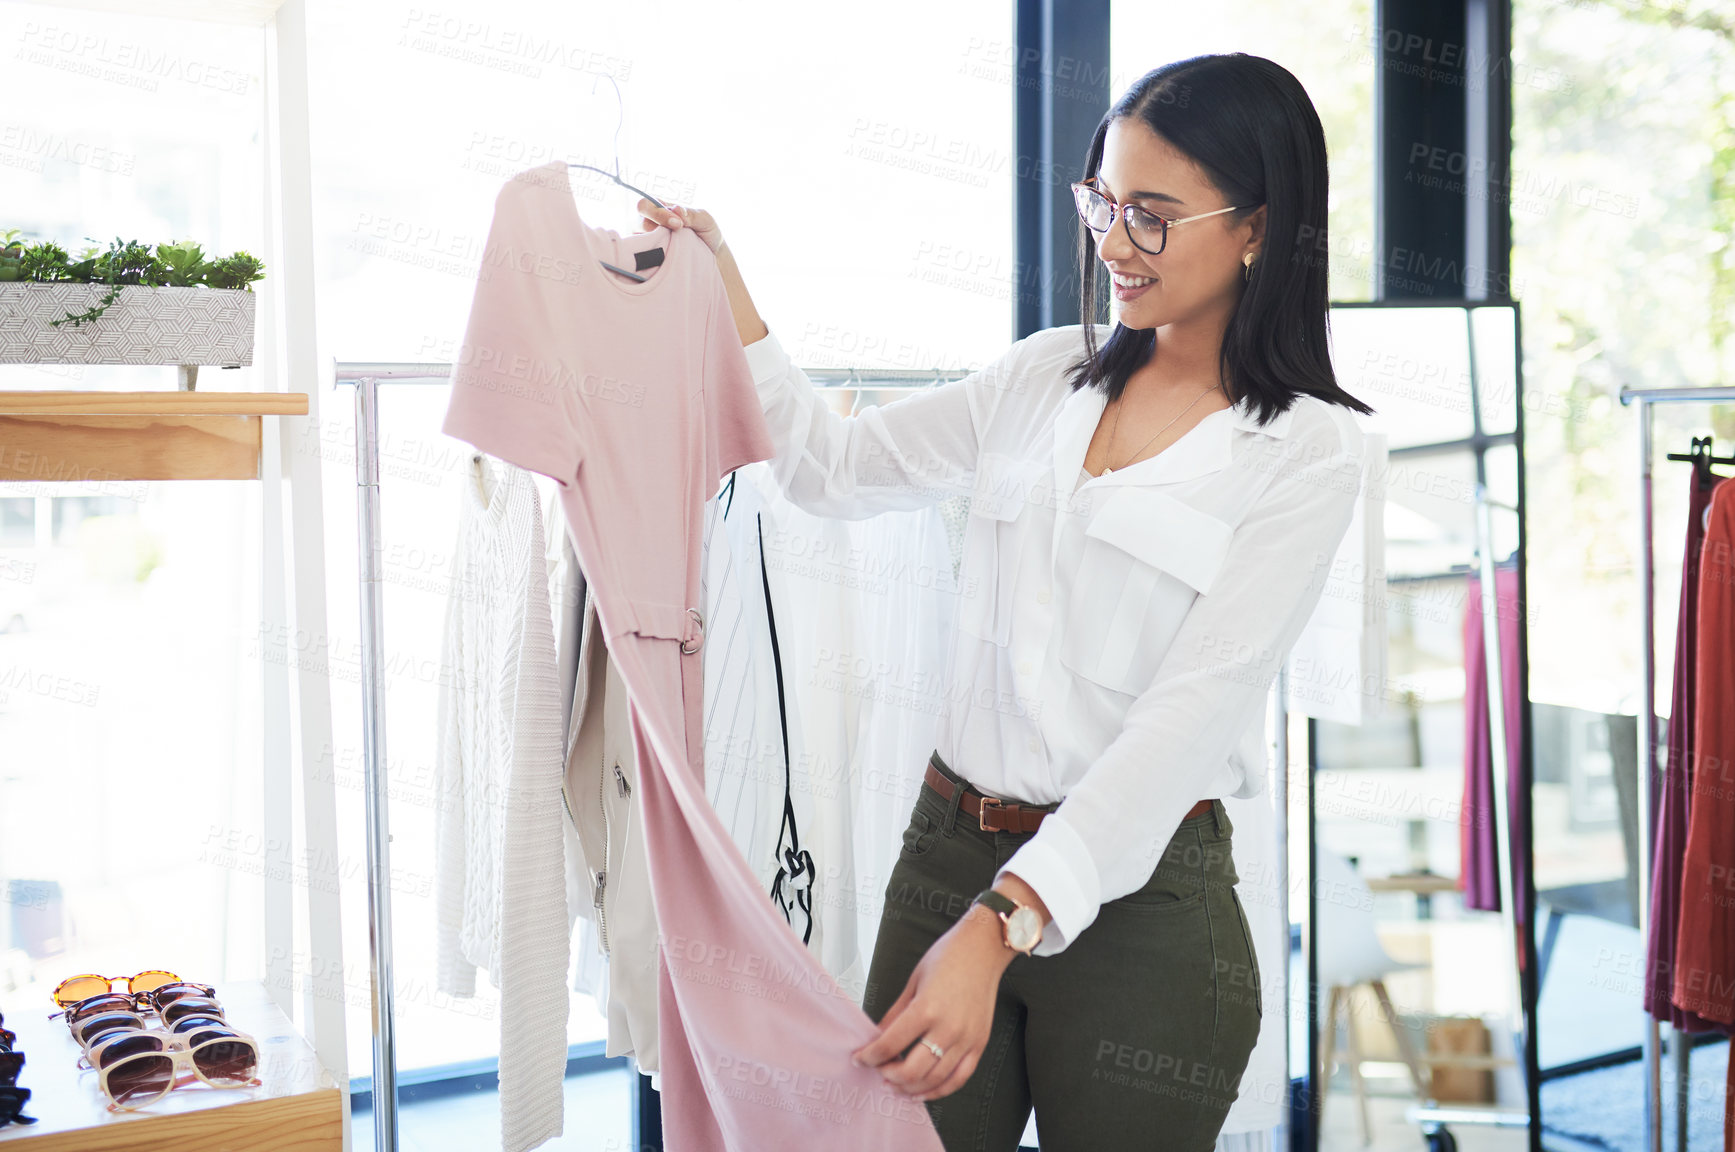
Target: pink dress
pixel 637 399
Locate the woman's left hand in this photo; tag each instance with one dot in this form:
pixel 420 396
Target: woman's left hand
pixel 948 1000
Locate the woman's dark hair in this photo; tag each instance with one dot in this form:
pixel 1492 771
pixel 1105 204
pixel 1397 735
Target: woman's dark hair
pixel 1250 127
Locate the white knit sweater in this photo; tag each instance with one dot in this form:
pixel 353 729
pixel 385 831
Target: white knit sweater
pixel 500 872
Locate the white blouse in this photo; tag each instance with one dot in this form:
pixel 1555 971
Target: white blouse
pixel 1118 634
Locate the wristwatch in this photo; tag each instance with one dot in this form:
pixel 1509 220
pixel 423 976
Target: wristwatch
pixel 1020 924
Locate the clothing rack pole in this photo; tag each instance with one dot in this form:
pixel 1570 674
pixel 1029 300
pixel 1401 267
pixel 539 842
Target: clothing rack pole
pixel 379 904
pixel 384 1083
pixel 1646 399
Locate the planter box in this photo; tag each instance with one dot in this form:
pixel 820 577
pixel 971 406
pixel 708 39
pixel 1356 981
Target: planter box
pixel 145 326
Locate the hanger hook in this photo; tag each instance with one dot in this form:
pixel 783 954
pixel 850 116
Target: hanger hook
pixel 621 112
pixel 620 121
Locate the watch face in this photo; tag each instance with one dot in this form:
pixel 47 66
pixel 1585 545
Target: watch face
pixel 1023 929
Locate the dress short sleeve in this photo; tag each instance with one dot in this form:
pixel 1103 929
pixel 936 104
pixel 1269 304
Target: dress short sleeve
pixel 736 419
pixel 511 394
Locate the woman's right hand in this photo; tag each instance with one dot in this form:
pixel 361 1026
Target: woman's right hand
pixel 748 324
pixel 703 224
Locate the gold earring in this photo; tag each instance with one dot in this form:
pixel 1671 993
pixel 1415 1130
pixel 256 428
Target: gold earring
pixel 1247 266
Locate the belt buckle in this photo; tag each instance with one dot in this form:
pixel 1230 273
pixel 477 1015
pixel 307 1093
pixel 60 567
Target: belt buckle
pixel 699 621
pixel 982 812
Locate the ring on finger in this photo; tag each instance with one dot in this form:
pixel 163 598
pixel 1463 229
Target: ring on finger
pixel 933 1047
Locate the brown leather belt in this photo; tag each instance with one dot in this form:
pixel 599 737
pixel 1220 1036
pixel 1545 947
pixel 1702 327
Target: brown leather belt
pixel 995 815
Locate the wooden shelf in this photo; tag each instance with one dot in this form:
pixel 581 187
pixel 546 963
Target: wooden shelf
pixel 102 436
pixel 20 403
pixel 298 1108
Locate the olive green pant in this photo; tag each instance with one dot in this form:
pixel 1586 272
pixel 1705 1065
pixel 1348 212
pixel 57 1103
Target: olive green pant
pixel 1134 1036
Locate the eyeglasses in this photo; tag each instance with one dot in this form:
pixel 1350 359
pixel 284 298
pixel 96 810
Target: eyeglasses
pixel 75 988
pixel 140 1069
pixel 1148 231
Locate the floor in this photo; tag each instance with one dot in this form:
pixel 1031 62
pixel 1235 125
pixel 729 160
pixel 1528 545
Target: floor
pixel 597 1120
pixel 1392 1133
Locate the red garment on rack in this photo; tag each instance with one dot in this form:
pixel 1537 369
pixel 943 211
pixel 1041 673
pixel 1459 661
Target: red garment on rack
pixel 637 399
pixel 1705 942
pixel 1672 800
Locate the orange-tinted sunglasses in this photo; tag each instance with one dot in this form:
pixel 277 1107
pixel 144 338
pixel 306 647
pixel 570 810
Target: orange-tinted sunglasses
pixel 75 988
pixel 157 998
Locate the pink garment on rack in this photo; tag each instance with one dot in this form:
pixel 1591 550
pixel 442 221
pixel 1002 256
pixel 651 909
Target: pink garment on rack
pixel 1478 851
pixel 637 399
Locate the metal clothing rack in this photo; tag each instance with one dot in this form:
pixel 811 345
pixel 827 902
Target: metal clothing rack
pixel 366 376
pixel 1647 399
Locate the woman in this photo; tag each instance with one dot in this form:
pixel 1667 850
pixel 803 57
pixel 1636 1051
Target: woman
pixel 1153 509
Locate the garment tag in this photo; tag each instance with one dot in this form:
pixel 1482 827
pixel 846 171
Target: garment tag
pixel 649 258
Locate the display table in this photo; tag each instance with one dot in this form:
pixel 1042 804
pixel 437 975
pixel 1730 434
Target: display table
pixel 298 1108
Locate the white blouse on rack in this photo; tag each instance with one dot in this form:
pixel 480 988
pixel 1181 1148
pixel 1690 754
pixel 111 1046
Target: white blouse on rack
pixel 1117 634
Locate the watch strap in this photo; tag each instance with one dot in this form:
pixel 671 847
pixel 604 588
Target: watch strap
pixel 997 901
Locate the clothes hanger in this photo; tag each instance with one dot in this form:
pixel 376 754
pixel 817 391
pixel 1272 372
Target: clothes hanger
pixel 650 257
pixel 1701 457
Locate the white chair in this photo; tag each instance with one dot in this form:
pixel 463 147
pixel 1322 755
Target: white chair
pixel 1350 954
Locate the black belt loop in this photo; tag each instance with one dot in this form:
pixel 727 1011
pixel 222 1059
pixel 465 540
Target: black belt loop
pixel 1220 817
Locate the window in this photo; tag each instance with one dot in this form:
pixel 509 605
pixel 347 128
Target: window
pixel 1330 49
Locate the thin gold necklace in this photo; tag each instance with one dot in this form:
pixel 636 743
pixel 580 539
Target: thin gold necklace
pixel 1114 433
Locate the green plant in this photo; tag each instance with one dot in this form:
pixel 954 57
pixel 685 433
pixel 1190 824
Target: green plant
pixel 11 255
pixel 235 271
pixel 45 261
pixel 183 263
pixel 176 264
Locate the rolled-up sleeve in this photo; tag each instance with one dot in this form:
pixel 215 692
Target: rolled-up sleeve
pixel 917 450
pixel 1111 830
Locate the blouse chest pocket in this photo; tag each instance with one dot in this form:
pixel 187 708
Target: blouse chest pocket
pixel 1147 556
pixel 994 539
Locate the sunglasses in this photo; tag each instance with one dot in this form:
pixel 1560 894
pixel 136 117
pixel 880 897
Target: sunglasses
pixel 88 1029
pixel 75 988
pixel 12 1101
pixel 155 998
pixel 141 1068
pixel 12 1097
pixel 195 1026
